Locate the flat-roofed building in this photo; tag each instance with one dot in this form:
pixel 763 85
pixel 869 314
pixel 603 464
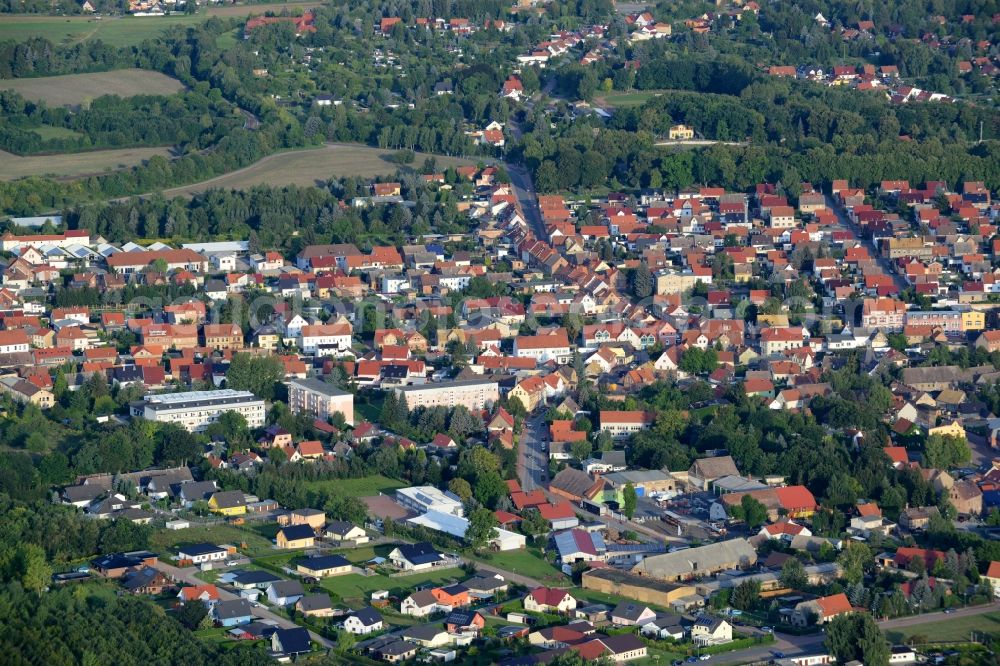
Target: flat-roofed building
pixel 428 498
pixel 320 398
pixel 196 410
pixel 474 394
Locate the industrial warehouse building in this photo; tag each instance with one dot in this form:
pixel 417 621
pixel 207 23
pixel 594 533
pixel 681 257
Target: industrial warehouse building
pixel 456 527
pixel 695 562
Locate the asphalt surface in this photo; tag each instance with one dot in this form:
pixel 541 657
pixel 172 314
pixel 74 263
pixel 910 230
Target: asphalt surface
pixel 793 646
pixel 532 460
pixel 847 225
pixel 187 575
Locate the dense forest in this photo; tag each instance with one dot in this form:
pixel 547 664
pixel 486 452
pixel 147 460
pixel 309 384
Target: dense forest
pixel 90 626
pixel 288 217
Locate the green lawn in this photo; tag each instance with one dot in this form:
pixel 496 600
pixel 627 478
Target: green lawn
pixel 219 636
pixel 527 562
pixel 631 100
pixel 956 629
pixel 166 541
pixel 355 589
pixel 363 487
pixel 368 405
pixel 48 132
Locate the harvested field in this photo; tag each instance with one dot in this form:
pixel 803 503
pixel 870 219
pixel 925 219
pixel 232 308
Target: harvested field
pixel 115 31
pixel 125 30
pixel 312 167
pixel 74 164
pixel 262 8
pixel 74 89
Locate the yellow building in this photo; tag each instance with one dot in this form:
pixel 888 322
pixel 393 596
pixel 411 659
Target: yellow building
pixel 296 536
pixel 228 503
pixel 639 588
pixel 681 133
pixel 973 320
pixel 953 429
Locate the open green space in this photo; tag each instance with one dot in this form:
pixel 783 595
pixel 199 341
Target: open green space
pixel 68 165
pixel 363 487
pixel 956 629
pixel 527 562
pixel 629 100
pixel 126 30
pixel 313 166
pixel 368 405
pixel 73 89
pixel 355 589
pixel 115 31
pixel 166 541
pixel 48 132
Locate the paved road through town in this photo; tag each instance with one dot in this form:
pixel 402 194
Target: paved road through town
pixel 532 460
pixel 799 645
pixel 849 226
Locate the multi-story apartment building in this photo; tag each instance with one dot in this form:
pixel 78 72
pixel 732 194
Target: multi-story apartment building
pixel 474 394
pixel 774 341
pixel 320 398
pixel 325 339
pixel 15 340
pixel 196 410
pixel 544 348
pixel 886 314
pixel 182 259
pixel 950 321
pixel 782 217
pixel 223 336
pixel 894 248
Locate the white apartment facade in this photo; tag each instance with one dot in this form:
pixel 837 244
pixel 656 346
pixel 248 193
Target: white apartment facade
pixel 474 394
pixel 196 410
pixel 320 398
pixel 325 339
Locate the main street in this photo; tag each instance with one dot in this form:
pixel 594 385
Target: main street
pixel 187 575
pixel 532 460
pixel 849 226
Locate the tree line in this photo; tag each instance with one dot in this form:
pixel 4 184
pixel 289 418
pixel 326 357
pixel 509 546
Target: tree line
pixel 191 120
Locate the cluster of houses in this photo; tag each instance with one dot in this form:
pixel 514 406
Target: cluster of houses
pixel 560 43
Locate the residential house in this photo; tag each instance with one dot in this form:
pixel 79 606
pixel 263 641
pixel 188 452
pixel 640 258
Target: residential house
pixel 285 592
pixel 324 566
pixel 364 621
pixel 296 536
pixel 548 599
pixel 711 631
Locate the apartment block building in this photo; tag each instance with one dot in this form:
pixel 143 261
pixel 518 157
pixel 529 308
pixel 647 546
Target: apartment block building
pixel 320 398
pixel 950 321
pixel 474 394
pixel 886 314
pixel 196 410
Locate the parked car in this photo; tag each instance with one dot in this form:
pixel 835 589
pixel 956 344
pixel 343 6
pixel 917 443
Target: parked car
pixel 705 657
